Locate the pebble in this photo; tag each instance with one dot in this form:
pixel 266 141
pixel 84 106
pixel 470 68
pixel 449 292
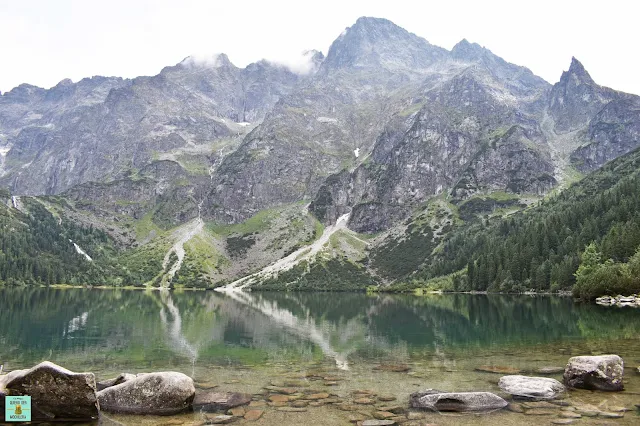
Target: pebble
pixel 515 408
pixel 257 404
pixel 220 420
pixel 394 368
pixel 562 421
pixel 550 370
pixel 299 404
pixel 610 415
pixel 383 415
pixel 355 418
pixel 363 401
pixel 397 409
pixel 570 415
pixel 387 398
pixel 253 415
pixel 279 398
pixel 379 423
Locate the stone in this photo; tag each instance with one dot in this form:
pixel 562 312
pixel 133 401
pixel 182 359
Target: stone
pixel 379 423
pixel 515 408
pixel 562 421
pixel 221 420
pixel 162 393
pixel 237 411
pixel 397 409
pixel 253 415
pixel 386 398
pixel 458 401
pixel 364 401
pixel 279 398
pixel 610 415
pixel 257 404
pixel 570 415
pixel 531 387
pixel 115 381
pixel 498 369
pixel 603 372
pixel 283 390
pixel 57 394
pixel 382 415
pixel 219 401
pixel 299 404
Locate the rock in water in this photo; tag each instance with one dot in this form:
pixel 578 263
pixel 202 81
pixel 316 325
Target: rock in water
pixel 162 393
pixel 124 377
pixel 602 372
pixel 531 387
pixel 220 401
pixel 57 394
pixel 457 401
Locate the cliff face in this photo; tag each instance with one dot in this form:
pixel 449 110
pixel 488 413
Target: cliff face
pixel 385 122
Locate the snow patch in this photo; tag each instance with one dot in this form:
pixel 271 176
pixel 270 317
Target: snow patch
pixel 4 150
pixel 81 252
pixel 244 124
pixel 356 152
pixel 14 201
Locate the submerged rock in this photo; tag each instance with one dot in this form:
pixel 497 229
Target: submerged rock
pixel 57 394
pixel 221 401
pixel 162 393
pixel 603 372
pixel 531 387
pixel 498 369
pixel 457 401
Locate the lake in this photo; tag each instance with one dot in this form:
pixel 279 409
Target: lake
pixel 333 342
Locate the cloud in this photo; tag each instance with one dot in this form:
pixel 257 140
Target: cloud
pixel 299 64
pixel 214 60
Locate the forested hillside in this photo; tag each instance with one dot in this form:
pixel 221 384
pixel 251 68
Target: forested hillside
pixel 540 248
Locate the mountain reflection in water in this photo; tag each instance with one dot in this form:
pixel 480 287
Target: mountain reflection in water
pixel 152 329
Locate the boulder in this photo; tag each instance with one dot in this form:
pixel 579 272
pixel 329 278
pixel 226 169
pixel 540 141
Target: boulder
pixel 124 377
pixel 57 394
pixel 162 393
pixel 457 401
pixel 603 372
pixel 222 401
pixel 531 387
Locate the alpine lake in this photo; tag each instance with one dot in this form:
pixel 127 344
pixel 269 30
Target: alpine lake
pixel 326 343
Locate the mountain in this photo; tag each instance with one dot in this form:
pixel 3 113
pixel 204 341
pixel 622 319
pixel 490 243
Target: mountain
pixel 369 161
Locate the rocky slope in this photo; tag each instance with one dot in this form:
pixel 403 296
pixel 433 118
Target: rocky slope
pixel 406 138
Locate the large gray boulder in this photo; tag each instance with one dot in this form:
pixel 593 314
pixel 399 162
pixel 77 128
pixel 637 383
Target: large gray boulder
pixel 603 372
pixel 531 387
pixel 162 393
pixel 456 401
pixel 124 377
pixel 57 394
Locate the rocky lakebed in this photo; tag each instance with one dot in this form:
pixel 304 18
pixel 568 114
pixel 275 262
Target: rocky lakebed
pixel 319 397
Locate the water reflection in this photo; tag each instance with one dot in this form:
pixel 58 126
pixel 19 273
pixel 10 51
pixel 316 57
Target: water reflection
pixel 151 329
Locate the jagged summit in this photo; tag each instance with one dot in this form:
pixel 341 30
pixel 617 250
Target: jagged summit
pixel 577 70
pixel 466 50
pixel 379 43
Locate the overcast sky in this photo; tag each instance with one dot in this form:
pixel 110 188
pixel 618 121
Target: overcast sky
pixel 43 42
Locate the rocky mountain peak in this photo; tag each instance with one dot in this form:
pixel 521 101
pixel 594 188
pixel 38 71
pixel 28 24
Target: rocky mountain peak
pixel 379 43
pixel 576 98
pixel 578 72
pixel 465 50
